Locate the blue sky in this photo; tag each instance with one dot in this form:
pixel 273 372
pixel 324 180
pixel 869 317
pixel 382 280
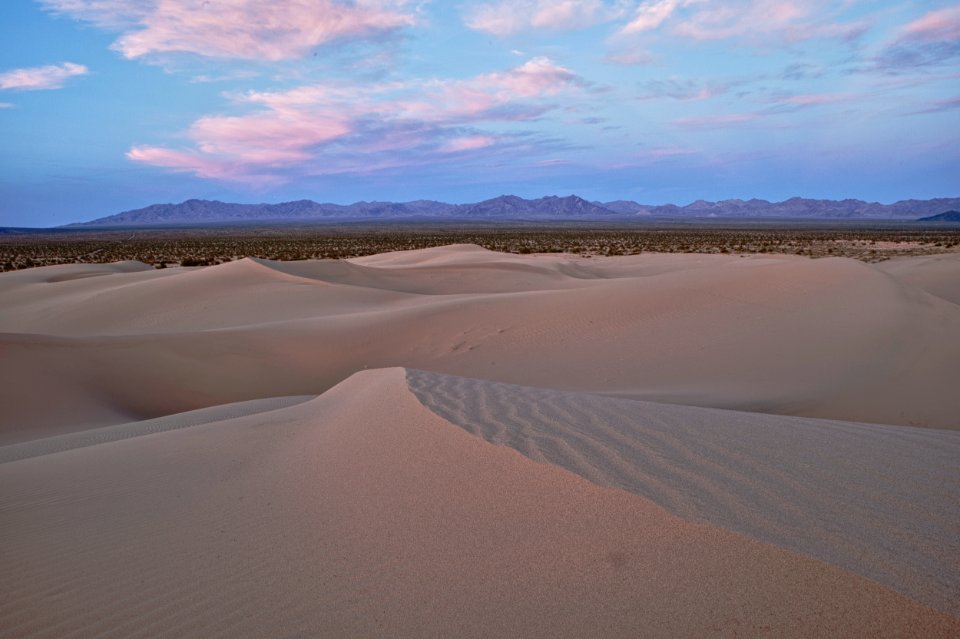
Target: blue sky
pixel 108 105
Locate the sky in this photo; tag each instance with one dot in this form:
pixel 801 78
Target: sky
pixel 111 105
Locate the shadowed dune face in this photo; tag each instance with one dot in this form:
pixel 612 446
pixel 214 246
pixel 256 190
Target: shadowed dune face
pixel 362 513
pixel 828 338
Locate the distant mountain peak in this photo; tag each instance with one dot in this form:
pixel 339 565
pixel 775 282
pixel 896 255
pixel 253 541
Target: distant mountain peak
pixel 547 206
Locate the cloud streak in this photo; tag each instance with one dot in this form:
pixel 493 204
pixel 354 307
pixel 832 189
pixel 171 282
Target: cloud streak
pixel 936 26
pixel 766 21
pixel 678 89
pixel 719 121
pixel 769 21
pixel 468 143
pixel 239 29
pixel 513 16
pixel 931 39
pixel 51 76
pixel 938 106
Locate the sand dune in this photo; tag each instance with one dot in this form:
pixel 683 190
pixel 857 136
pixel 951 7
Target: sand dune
pixel 818 338
pixel 456 442
pixel 361 513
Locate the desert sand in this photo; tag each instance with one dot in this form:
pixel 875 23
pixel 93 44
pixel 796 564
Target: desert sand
pixel 456 442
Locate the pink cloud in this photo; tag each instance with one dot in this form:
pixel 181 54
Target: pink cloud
pixel 939 25
pixel 930 40
pixel 51 76
pixel 245 29
pixel 651 15
pixel 815 99
pixel 468 143
pixel 741 19
pixel 249 147
pixel 770 20
pixel 180 161
pixel 717 121
pixel 267 138
pixel 327 129
pixel 662 152
pixel 763 20
pixel 537 76
pixel 508 17
pixel 489 96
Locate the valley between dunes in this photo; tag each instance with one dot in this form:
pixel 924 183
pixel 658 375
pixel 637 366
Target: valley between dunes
pixel 458 442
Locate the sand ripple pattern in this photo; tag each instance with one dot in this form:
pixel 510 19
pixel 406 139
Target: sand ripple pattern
pixel 106 434
pixel 881 501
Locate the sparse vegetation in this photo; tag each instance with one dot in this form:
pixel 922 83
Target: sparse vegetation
pixel 207 246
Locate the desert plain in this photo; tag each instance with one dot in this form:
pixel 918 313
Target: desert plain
pixel 457 442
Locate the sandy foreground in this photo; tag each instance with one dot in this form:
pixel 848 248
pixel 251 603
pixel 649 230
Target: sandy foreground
pixel 455 442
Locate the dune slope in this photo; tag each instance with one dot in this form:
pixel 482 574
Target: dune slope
pixel 362 513
pixel 881 501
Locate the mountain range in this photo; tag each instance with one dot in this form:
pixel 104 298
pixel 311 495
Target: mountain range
pixel 511 207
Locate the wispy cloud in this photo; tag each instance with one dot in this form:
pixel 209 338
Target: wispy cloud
pixel 6 105
pixel 107 14
pixel 678 89
pixel 935 26
pixel 931 39
pixel 468 143
pixel 770 21
pixel 718 121
pixel 814 99
pixel 243 29
pixel 506 17
pixel 631 58
pixel 51 76
pixel 200 164
pixel 776 105
pixel 650 15
pixel 663 152
pixel 939 105
pixel 330 129
pixel 802 71
pixel 765 21
pixel 229 76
